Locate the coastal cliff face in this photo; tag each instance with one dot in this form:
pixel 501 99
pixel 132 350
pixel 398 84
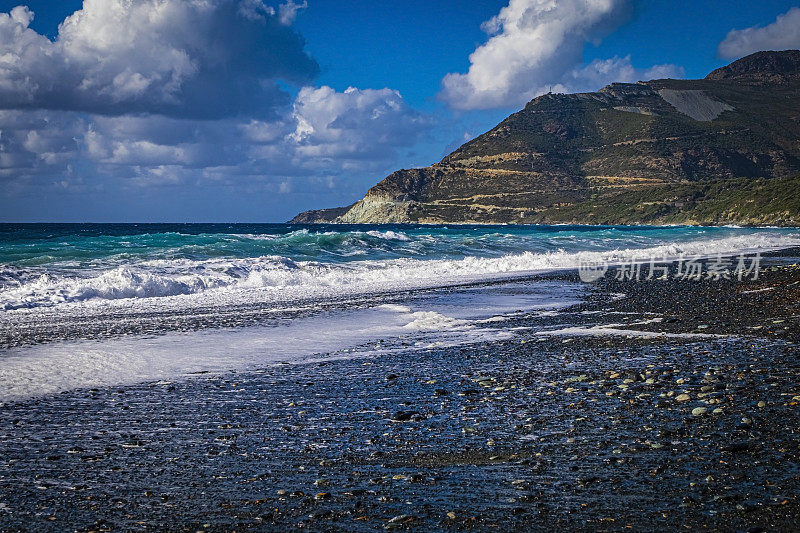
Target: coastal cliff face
pixel 721 150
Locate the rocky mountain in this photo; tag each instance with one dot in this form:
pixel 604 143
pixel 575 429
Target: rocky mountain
pixel 321 216
pixel 721 150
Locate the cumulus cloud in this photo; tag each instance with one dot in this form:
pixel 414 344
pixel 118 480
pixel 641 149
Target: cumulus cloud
pixel 288 12
pixel 353 124
pixel 535 46
pixel 619 69
pixel 533 43
pixel 141 94
pixel 782 34
pixel 34 144
pixel 186 58
pixel 324 132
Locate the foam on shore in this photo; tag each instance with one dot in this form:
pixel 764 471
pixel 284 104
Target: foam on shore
pixel 434 320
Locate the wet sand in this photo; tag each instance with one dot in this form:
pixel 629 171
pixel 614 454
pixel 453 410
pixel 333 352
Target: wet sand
pixel 593 432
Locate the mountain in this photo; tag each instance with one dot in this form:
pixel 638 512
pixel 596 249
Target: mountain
pixel 321 216
pixel 721 150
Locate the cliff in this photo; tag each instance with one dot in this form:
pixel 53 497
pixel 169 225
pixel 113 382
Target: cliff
pixel 721 150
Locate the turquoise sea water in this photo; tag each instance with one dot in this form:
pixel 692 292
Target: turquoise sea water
pixel 43 265
pixel 89 245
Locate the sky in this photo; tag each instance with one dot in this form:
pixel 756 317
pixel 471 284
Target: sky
pixel 252 111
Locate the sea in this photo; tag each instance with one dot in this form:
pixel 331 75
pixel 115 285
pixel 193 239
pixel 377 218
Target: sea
pixel 102 305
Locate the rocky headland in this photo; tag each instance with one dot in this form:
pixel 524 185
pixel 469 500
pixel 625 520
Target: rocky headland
pixel 721 150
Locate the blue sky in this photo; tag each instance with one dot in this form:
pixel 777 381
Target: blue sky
pixel 252 111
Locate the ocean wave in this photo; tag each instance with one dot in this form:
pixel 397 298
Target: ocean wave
pixel 321 237
pixel 389 235
pixel 273 277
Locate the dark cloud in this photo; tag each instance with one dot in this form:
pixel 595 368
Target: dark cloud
pixel 136 95
pixel 210 59
pixel 324 132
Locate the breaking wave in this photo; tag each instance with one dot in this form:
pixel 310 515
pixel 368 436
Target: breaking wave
pixel 275 277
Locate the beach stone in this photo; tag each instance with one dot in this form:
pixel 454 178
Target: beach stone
pixel 404 416
pixel 698 411
pixel 683 398
pixel 741 446
pixel 398 521
pixel 747 506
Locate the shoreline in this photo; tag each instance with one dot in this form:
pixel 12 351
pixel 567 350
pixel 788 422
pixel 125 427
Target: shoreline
pixel 26 326
pixel 504 224
pixel 597 432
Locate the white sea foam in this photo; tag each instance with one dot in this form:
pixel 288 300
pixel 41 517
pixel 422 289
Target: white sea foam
pixel 275 278
pixel 433 321
pixel 396 308
pixel 609 331
pixel 54 367
pixel 389 235
pixel 426 321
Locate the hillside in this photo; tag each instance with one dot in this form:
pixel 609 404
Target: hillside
pixel 724 149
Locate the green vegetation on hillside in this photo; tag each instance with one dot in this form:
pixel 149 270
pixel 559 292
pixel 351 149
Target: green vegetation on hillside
pixel 735 201
pixel 722 150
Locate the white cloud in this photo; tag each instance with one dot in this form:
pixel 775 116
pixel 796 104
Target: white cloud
pixel 141 94
pixel 195 58
pixel 255 10
pixel 287 12
pixel 325 132
pixel 356 123
pixel 37 143
pixel 536 46
pixel 616 69
pixel 534 43
pixel 148 93
pixel 659 72
pixel 782 34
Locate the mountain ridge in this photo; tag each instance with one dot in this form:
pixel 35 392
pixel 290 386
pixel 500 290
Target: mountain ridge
pixel 706 151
